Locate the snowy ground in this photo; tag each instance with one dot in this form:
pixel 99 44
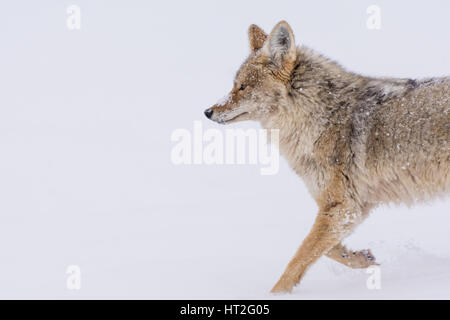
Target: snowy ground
pixel 86 177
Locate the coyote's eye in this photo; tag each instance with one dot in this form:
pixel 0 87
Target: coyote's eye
pixel 242 87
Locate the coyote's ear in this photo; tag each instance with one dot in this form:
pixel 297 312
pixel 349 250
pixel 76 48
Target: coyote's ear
pixel 256 37
pixel 280 47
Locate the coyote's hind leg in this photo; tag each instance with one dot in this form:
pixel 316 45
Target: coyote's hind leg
pixel 353 259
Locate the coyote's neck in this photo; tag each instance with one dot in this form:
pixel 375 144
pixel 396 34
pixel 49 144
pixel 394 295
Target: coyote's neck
pixel 317 93
pixel 320 97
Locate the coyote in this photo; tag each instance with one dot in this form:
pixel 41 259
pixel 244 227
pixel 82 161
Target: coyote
pixel 356 141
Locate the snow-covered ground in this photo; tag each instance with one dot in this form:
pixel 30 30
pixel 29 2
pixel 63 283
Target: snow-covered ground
pixel 86 176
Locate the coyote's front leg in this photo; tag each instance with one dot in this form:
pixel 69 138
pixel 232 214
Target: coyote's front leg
pixel 334 221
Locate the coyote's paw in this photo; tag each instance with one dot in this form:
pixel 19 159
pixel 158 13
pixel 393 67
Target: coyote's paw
pixel 361 259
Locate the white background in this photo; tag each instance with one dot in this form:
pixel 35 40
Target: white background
pixel 85 173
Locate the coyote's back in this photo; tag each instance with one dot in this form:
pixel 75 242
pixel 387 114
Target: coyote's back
pixel 405 139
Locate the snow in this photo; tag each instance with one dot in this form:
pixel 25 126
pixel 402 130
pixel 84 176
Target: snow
pixel 86 178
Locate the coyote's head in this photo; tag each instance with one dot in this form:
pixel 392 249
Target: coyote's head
pixel 261 84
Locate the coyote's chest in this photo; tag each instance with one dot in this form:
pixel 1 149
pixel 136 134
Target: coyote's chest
pixel 300 149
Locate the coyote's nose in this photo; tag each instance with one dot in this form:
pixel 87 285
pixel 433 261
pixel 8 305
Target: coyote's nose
pixel 208 113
